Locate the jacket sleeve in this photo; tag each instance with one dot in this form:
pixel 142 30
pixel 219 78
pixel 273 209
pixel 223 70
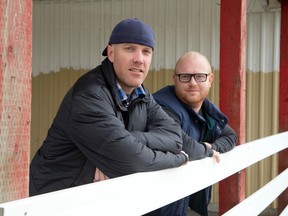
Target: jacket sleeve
pixel 103 139
pixel 226 141
pixel 195 150
pixel 162 133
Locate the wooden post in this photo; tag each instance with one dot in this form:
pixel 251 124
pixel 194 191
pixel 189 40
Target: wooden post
pixel 15 97
pixel 232 90
pixel 283 96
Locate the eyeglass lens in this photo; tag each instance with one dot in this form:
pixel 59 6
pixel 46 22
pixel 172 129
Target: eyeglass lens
pixel 199 77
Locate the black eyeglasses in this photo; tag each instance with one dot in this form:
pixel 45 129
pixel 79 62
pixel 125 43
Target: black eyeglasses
pixel 199 77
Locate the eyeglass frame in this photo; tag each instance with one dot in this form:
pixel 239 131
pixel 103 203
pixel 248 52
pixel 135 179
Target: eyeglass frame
pixel 192 75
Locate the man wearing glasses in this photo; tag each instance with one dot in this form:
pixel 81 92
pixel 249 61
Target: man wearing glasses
pixel 205 129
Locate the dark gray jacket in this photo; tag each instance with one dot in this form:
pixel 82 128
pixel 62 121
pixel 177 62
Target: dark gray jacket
pixel 89 131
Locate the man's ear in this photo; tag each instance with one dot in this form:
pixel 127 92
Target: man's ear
pixel 211 77
pixel 174 77
pixel 110 51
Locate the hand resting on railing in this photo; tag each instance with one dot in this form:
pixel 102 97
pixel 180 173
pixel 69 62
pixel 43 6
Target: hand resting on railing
pixel 100 176
pixel 216 154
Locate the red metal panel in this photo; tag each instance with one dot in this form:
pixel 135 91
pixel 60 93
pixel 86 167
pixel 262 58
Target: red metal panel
pixel 232 89
pixel 283 99
pixel 15 99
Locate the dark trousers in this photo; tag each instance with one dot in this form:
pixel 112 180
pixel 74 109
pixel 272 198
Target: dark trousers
pixel 198 202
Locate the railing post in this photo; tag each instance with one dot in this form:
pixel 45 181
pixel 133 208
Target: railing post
pixel 283 96
pixel 232 89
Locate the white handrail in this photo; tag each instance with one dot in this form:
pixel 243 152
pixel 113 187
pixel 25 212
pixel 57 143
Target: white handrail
pixel 284 212
pixel 258 201
pixel 140 193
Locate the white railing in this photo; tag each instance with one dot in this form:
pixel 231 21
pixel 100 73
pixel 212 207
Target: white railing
pixel 284 212
pixel 140 193
pixel 254 204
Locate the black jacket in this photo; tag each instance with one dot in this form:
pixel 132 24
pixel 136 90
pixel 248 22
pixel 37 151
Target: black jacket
pixel 89 131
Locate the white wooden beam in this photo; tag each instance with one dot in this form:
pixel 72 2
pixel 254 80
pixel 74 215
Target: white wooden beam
pixel 258 201
pixel 140 193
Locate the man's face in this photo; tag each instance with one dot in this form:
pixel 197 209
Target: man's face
pixel 192 92
pixel 131 64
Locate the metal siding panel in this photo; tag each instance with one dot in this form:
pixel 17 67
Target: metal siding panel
pixel 194 42
pixel 276 41
pixel 36 66
pixel 45 34
pixel 149 14
pixel 56 46
pixel 205 28
pixel 71 36
pixel 75 36
pixel 148 11
pixel 253 42
pixel 138 9
pixel 215 35
pixel 107 22
pixel 182 15
pixel 197 28
pixel 266 42
pixel 97 42
pixel 159 29
pixel 64 45
pixel 263 31
pixel 126 8
pixel 117 14
pixel 170 32
pixel 85 34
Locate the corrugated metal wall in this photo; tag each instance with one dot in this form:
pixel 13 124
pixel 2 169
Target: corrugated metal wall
pixel 75 32
pixel 263 36
pixel 69 36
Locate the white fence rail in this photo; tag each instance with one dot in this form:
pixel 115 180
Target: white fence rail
pixel 285 212
pixel 140 193
pixel 258 201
